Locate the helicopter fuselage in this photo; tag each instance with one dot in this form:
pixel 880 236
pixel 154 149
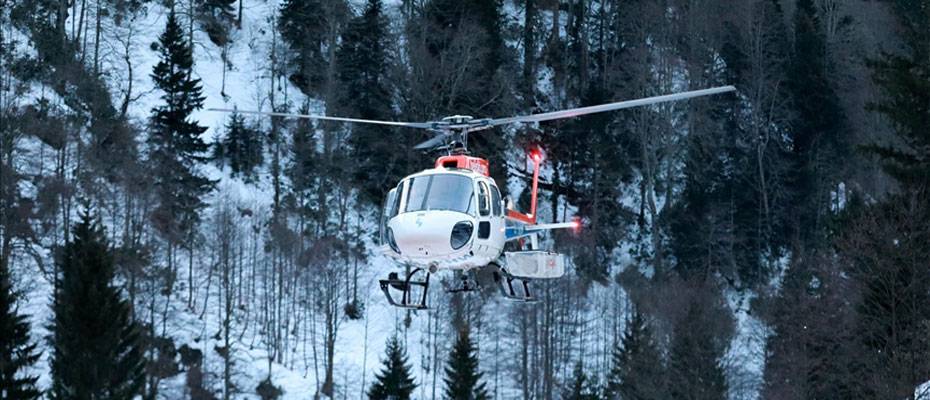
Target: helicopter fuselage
pixel 446 217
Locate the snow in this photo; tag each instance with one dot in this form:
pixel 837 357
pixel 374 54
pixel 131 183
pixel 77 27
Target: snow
pixel 36 303
pixel 838 197
pixel 247 78
pixel 922 392
pixel 745 358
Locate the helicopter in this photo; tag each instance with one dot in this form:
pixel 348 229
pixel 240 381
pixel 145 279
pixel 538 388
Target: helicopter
pixel 452 216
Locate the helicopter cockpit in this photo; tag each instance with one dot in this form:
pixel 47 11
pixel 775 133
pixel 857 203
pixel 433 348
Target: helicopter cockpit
pixel 447 192
pixel 437 213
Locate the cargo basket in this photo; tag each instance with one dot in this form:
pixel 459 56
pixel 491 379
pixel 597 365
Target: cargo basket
pixel 535 264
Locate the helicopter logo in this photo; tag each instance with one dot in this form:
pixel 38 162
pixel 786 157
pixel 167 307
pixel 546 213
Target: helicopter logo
pixel 452 216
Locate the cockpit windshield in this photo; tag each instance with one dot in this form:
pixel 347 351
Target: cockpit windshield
pixel 449 192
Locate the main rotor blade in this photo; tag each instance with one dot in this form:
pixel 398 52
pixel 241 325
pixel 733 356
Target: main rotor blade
pixel 574 112
pixel 432 142
pixel 418 125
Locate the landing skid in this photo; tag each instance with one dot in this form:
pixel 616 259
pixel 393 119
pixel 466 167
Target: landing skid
pixel 406 288
pixel 514 288
pixel 413 289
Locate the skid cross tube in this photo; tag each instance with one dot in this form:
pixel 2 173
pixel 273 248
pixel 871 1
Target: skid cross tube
pixel 404 286
pixel 508 290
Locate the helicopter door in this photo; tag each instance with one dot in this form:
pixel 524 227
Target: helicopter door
pixel 497 217
pixel 484 210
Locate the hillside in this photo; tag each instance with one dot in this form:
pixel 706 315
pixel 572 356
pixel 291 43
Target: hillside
pixel 763 244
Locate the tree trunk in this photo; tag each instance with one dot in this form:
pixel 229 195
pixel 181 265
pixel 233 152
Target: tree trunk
pixel 529 51
pixel 239 17
pixel 97 42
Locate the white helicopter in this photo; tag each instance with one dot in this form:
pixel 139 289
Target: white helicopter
pixel 452 216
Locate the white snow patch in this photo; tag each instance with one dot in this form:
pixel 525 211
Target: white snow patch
pixel 745 358
pixel 922 392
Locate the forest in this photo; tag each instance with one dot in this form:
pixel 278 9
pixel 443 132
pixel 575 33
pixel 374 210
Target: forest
pixel 772 243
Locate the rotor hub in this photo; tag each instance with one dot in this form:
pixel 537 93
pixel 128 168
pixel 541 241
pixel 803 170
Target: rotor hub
pixel 458 119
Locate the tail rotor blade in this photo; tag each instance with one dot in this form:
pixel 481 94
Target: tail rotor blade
pixel 575 112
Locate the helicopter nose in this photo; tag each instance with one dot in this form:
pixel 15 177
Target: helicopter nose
pixel 427 233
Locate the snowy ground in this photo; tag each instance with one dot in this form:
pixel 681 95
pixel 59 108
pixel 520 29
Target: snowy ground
pixel 922 392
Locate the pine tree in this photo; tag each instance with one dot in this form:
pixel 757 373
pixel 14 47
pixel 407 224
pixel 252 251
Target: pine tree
pixel 96 348
pixel 303 25
pixel 694 369
pixel 905 80
pixel 580 388
pixel 637 372
pixel 16 353
pixel 363 63
pixel 817 131
pixel 885 253
pixel 463 378
pixel 468 34
pixel 241 148
pixel 485 14
pixel 217 17
pixel 813 352
pixel 304 165
pixel 176 145
pixel 394 382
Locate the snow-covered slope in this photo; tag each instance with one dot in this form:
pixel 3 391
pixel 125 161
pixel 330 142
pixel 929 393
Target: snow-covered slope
pixel 244 83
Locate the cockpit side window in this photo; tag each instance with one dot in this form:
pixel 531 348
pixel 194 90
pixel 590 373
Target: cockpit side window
pixel 393 205
pixel 495 201
pixel 387 210
pixel 484 199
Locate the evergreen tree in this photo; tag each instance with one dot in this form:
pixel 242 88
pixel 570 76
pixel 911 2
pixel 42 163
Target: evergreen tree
pixel 694 369
pixel 893 313
pixel 453 15
pixel 905 79
pixel 96 348
pixel 580 388
pixel 16 353
pixel 304 28
pixel 303 167
pixel 217 17
pixel 885 252
pixel 637 372
pixel 467 34
pixel 817 131
pixel 363 63
pixel 176 145
pixel 463 378
pixel 811 353
pixel 241 148
pixel 394 381
pixel 587 150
